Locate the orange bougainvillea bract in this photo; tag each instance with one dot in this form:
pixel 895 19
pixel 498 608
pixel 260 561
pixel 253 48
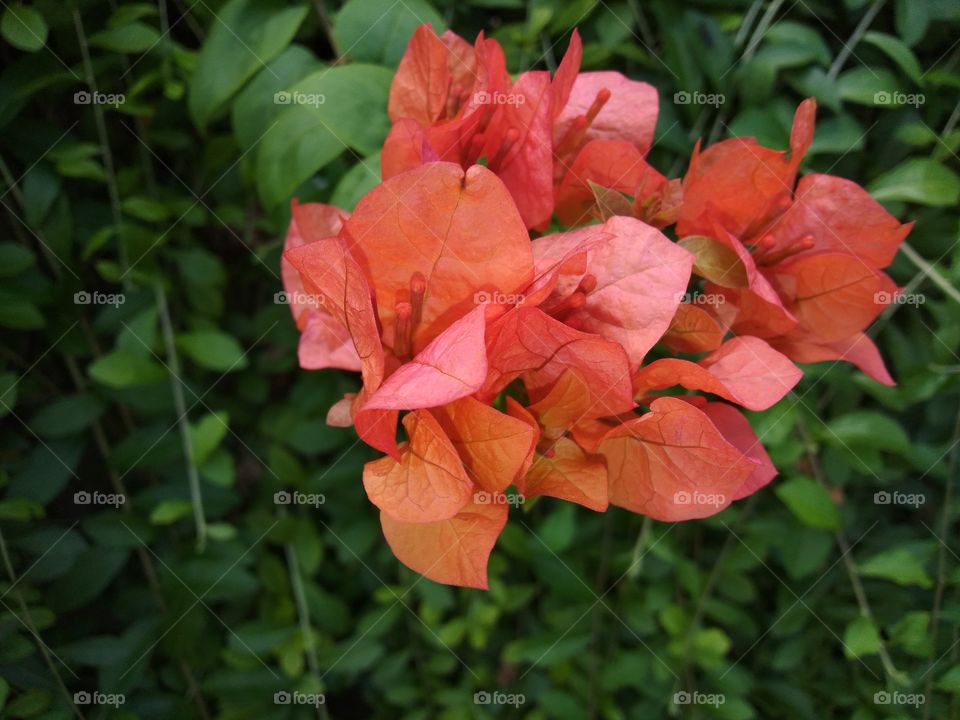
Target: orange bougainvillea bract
pixel 536 311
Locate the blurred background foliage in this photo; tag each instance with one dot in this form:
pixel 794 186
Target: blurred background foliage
pixel 145 159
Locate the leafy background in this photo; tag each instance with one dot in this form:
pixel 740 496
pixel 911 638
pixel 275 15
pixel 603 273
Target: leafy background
pixel 201 597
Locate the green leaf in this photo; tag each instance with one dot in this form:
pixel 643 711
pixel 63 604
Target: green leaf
pixel 898 565
pixel 357 182
pixel 121 369
pixel 861 638
pixel 950 680
pixel 169 511
pixel 24 28
pixel 20 509
pixel 918 180
pixel 810 502
pixel 20 314
pixel 207 434
pixel 912 18
pixel 213 350
pixel 378 31
pixel 898 52
pixel 245 35
pixel 137 37
pixel 866 429
pixel 868 86
pixel 66 416
pixel 319 123
pixel 14 259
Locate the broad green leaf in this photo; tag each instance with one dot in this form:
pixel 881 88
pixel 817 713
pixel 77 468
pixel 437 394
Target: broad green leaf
pixel 121 369
pixel 14 259
pixel 137 37
pixel 319 123
pixel 912 18
pixel 20 509
pixel 23 27
pixel 868 86
pixel 918 180
pixel 20 314
pixel 378 31
pixel 213 350
pixel 861 638
pixel 357 182
pixel 866 429
pixel 898 52
pixel 950 680
pixel 245 35
pixel 810 502
pixel 66 416
pixel 207 434
pixel 170 511
pixel 897 565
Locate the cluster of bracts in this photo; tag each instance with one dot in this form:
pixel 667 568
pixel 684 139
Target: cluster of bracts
pixel 576 364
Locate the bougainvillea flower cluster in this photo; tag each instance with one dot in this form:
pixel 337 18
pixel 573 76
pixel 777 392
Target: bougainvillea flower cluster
pixel 604 363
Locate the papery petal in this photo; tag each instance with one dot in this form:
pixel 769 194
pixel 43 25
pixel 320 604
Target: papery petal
pixel 857 349
pixel 673 464
pixel 745 370
pixel 340 413
pixel 641 276
pixel 839 216
pixel 615 164
pixel 420 86
pixel 428 483
pixel 493 446
pixel 801 134
pixel 566 75
pixel 559 264
pixel 693 329
pixel 528 342
pixel 459 230
pixel 329 272
pixel 833 296
pixel 452 366
pixel 453 552
pixel 736 429
pixel 377 428
pixel 518 411
pixel 405 148
pixel 630 114
pixel 569 474
pixel 326 343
